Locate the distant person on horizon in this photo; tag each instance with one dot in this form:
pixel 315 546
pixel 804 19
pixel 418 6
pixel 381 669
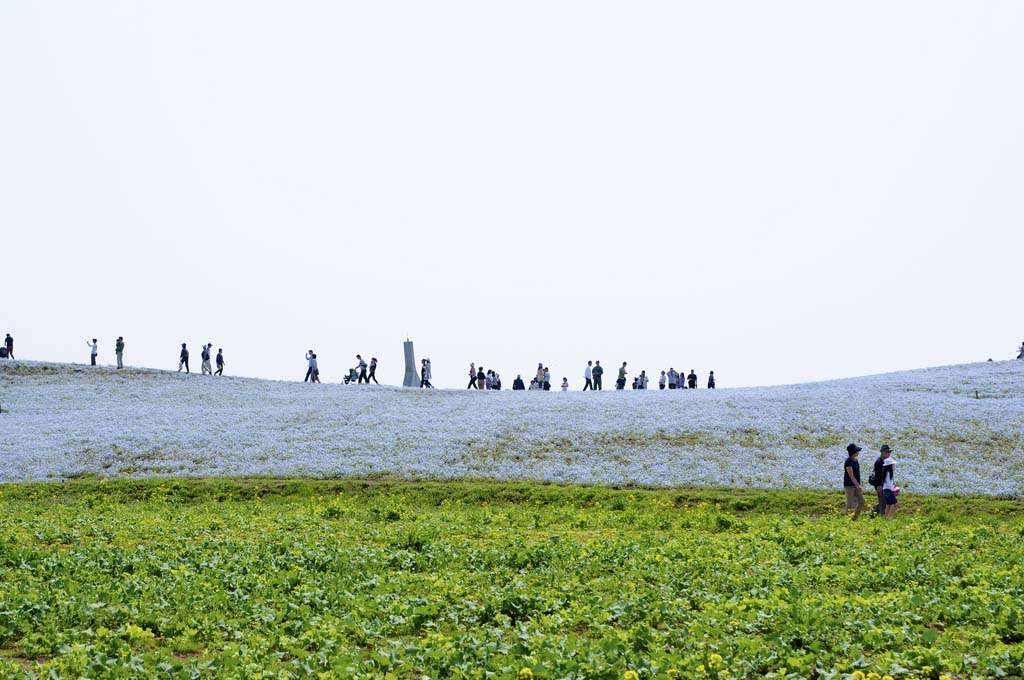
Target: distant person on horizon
pixel 315 378
pixel 119 351
pixel 534 385
pixel 205 367
pixel 517 384
pixel 565 384
pixel 481 378
pixel 183 358
pixel 643 380
pixel 311 362
pixel 373 371
pixel 588 377
pixel 425 373
pixel 636 383
pixel 851 482
pixel 692 379
pixel 9 344
pixel 361 366
pixel 220 361
pixel 547 379
pixel 489 380
pixel 472 377
pixel 95 350
pixel 673 377
pixel 711 380
pixel 662 381
pixel 598 372
pixel 1019 356
pixel 540 375
pixel 620 384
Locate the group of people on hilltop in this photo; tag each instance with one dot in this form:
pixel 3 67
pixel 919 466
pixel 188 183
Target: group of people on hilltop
pixel 592 376
pixel 483 380
pixel 362 372
pixel 882 479
pixel 205 357
pixel 94 350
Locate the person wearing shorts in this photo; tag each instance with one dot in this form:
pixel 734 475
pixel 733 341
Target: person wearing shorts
pixel 889 487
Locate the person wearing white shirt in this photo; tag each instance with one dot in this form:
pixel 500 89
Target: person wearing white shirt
pixel 588 375
pixel 95 350
pixel 565 384
pixel 889 487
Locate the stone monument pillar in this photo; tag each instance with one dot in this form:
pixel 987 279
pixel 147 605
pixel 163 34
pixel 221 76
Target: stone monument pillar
pixel 412 376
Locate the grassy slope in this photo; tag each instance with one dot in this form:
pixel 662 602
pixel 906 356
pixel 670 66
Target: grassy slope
pixel 361 577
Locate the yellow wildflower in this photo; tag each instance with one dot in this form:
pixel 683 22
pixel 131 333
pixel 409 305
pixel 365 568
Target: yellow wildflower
pixel 525 673
pixel 715 661
pixel 887 677
pixel 672 672
pixel 945 677
pixel 874 676
pixel 857 675
pixel 631 675
pixel 700 668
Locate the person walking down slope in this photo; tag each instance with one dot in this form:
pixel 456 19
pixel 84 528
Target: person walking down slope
pixel 9 344
pixel 205 367
pixel 310 362
pixel 662 381
pixel 472 377
pixel 711 380
pixel 119 351
pixel 851 482
pixel 373 371
pixel 183 358
pixel 598 372
pixel 220 361
pixel 95 350
pixel 620 384
pixel 588 377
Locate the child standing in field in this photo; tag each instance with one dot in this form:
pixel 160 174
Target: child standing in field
pixel 889 487
pixel 565 384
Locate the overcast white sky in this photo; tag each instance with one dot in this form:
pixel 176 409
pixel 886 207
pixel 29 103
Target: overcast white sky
pixel 780 191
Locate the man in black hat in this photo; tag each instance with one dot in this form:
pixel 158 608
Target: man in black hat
pixel 851 482
pixel 878 477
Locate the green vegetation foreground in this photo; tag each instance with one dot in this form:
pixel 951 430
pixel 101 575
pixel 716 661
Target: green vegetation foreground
pixel 262 578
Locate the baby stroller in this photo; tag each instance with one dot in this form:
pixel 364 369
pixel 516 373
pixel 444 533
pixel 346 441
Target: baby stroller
pixel 352 376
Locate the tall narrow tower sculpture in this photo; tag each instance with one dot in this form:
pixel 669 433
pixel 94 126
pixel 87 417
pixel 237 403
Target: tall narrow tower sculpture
pixel 412 376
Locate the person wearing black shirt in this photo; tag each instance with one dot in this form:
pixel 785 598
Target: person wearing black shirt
pixel 878 476
pixel 220 362
pixel 183 358
pixel 517 384
pixel 851 482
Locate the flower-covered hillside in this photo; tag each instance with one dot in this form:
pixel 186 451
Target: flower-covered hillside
pixel 957 429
